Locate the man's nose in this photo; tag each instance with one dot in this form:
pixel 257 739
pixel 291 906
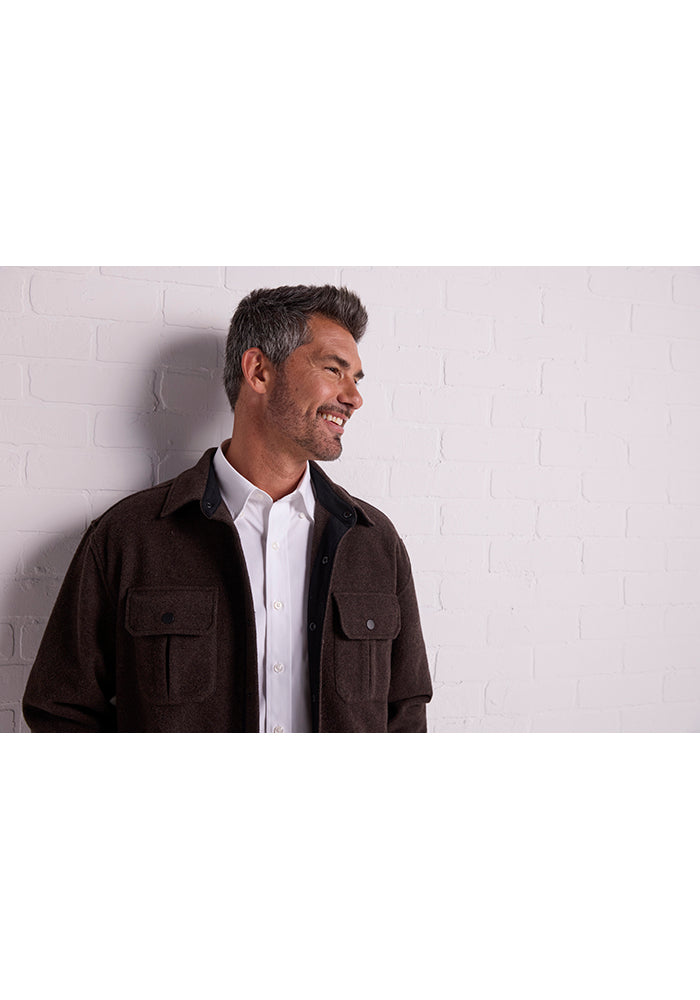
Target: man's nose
pixel 350 395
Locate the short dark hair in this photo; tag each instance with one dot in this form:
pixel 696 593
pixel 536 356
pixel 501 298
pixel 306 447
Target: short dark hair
pixel 276 321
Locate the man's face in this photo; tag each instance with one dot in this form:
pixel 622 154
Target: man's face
pixel 318 381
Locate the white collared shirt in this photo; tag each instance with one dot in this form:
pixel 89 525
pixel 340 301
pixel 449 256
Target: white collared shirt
pixel 276 540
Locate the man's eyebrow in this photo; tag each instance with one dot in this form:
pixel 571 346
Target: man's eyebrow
pixel 343 364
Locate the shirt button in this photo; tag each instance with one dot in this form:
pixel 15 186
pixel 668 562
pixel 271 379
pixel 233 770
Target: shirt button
pixel 278 605
pixel 370 624
pixel 278 729
pixel 278 667
pixel 275 546
pixel 302 516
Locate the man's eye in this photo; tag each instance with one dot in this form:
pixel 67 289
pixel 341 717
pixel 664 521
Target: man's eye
pixel 336 371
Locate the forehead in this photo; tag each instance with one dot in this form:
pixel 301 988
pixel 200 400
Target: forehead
pixel 328 336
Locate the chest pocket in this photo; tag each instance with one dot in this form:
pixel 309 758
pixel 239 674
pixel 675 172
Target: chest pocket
pixel 365 626
pixel 173 640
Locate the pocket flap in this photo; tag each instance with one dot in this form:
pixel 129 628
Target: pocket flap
pixel 170 610
pixel 368 616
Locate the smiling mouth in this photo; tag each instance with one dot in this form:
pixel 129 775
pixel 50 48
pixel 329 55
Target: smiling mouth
pixel 334 418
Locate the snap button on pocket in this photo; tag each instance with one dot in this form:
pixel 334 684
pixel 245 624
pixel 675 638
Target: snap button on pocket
pixel 168 618
pixel 370 623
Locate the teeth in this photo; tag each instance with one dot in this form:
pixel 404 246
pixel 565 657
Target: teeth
pixel 333 419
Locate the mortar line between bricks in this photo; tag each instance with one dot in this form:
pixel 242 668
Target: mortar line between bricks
pixel 24 293
pixel 30 302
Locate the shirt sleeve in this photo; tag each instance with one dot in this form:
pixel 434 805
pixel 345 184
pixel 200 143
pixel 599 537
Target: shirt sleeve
pixel 71 684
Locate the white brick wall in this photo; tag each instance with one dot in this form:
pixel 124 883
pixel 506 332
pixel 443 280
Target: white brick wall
pixel 534 433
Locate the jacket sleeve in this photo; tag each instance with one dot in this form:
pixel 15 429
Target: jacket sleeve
pixel 411 688
pixel 71 684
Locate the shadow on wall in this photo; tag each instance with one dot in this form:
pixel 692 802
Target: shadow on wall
pixel 191 413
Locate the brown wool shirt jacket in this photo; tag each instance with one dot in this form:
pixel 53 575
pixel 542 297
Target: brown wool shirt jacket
pixel 153 629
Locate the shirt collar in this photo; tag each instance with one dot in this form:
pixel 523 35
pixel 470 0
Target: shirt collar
pixel 200 485
pixel 237 492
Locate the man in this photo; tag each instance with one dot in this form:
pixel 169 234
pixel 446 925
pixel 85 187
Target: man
pixel 249 593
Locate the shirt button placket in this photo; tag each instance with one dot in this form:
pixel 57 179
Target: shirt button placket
pixel 278 655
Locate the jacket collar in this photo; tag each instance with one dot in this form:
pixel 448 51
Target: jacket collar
pixel 336 500
pixel 200 484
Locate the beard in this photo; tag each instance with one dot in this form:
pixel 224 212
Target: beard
pixel 309 431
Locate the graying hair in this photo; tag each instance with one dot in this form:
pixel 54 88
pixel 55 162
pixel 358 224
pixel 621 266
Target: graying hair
pixel 275 320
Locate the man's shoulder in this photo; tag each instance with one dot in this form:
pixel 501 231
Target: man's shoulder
pixel 144 506
pixel 377 518
pixel 368 515
pixel 148 501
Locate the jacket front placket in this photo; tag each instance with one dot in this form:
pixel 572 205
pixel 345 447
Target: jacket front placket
pixel 333 519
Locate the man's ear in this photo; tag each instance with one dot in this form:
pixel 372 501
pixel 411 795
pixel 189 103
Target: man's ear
pixel 257 369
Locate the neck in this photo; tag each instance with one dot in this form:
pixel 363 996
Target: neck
pixel 277 475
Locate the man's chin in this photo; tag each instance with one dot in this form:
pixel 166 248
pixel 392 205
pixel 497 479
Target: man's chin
pixel 328 453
